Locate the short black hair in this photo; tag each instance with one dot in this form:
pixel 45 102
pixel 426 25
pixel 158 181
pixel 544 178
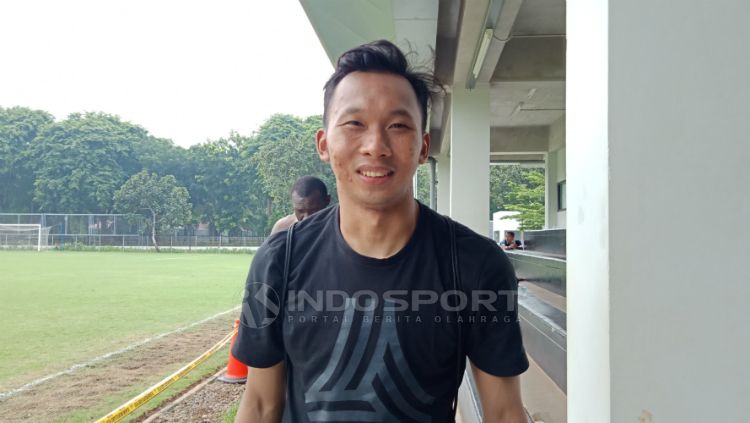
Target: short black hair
pixel 307 185
pixel 513 234
pixel 382 56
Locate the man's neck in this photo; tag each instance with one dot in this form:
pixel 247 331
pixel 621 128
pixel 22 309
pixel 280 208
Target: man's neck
pixel 378 233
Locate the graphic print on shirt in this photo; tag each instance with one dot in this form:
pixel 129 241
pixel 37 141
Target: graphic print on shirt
pixel 334 400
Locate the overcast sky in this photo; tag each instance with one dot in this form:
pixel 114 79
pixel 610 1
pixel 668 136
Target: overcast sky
pixel 185 70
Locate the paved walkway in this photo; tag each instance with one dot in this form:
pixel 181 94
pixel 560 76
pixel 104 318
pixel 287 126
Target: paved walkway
pixel 545 401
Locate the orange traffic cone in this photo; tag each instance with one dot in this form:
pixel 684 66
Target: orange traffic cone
pixel 236 371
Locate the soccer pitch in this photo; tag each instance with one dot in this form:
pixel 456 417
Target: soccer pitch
pixel 58 309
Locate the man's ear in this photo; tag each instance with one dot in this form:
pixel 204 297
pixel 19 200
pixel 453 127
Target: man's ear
pixel 321 144
pixel 424 151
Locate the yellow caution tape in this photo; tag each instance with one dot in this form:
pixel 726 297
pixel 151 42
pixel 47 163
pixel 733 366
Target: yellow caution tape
pixel 120 412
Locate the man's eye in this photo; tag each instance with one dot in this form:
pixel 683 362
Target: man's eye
pixel 353 123
pixel 400 126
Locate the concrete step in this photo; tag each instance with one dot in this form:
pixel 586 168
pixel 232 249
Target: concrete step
pixel 544 329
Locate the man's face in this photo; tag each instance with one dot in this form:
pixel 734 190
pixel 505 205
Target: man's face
pixel 305 206
pixel 373 139
pixel 509 238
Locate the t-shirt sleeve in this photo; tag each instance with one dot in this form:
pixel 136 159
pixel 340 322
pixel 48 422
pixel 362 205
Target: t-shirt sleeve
pixel 493 342
pixel 259 340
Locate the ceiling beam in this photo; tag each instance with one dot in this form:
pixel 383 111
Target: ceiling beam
pixel 472 25
pixel 501 34
pixel 519 139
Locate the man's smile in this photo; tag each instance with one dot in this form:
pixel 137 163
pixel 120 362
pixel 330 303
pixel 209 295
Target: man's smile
pixel 374 175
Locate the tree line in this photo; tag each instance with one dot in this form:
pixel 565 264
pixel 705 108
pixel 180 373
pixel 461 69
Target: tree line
pixel 239 184
pixel 236 184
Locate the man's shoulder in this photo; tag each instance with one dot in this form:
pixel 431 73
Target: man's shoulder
pixel 479 245
pixel 466 238
pixel 283 223
pixel 302 230
pixel 479 256
pixel 314 227
pixel 270 248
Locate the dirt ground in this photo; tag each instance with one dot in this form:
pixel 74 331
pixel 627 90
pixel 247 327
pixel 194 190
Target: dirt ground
pixel 89 387
pixel 209 405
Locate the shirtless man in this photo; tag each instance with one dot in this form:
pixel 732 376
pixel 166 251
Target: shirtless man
pixel 309 195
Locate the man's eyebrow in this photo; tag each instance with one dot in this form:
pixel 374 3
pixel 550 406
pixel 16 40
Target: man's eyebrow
pixel 401 112
pixel 396 112
pixel 351 110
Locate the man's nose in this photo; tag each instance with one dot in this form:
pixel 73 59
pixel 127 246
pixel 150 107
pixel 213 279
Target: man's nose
pixel 376 143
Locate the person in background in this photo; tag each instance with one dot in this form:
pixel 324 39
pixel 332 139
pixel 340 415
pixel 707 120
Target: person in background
pixel 510 242
pixel 309 195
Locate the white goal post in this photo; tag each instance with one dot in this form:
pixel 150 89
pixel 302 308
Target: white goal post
pixel 31 235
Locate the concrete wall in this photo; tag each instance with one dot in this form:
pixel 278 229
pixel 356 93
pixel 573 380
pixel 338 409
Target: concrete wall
pixel 500 225
pixel 557 134
pixel 657 112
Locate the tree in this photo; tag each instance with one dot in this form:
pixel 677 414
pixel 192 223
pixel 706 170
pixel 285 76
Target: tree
pixel 501 179
pixel 286 152
pixel 227 191
pixel 19 126
pixel 161 155
pixel 81 161
pixel 281 126
pixel 162 200
pixel 423 183
pixel 528 199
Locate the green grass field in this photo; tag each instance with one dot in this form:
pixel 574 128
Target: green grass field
pixel 62 308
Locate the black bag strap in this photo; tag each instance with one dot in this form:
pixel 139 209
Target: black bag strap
pixel 457 287
pixel 284 289
pixel 287 264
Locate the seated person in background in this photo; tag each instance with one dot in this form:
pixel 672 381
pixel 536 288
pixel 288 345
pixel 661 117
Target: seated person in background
pixel 510 242
pixel 309 195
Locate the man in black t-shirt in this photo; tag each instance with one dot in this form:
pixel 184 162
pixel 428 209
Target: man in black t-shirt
pixel 370 324
pixel 510 242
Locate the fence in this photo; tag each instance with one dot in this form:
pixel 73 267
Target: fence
pixel 119 230
pixel 174 241
pixel 79 224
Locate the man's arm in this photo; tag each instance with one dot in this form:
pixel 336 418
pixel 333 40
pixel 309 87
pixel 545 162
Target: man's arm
pixel 500 397
pixel 263 400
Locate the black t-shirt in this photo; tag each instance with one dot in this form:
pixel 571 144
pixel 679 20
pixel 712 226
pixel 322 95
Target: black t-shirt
pixel 375 340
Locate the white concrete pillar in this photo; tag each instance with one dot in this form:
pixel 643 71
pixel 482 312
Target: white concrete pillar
pixel 470 158
pixel 444 184
pixel 589 382
pixel 656 151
